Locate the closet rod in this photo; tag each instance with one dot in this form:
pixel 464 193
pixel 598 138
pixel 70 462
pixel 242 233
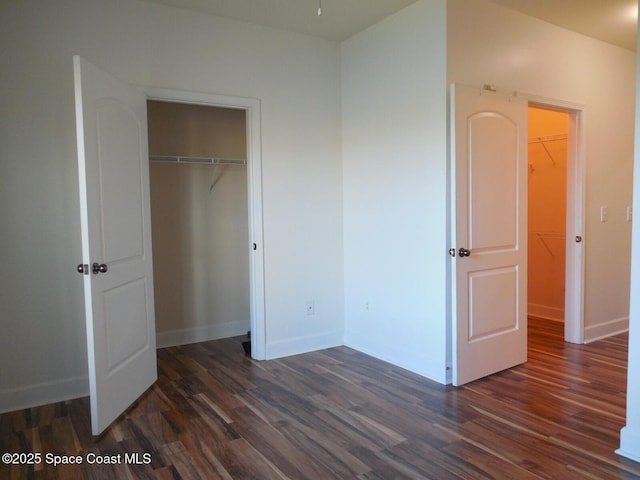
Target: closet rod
pixel 196 160
pixel 548 138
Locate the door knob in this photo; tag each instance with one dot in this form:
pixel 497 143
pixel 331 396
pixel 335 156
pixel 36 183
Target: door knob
pixel 463 252
pixel 99 268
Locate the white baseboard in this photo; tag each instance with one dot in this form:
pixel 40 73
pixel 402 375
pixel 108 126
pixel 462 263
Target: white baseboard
pixel 629 443
pixel 43 393
pixel 414 361
pixel 545 312
pixel 205 333
pixel 67 389
pixel 606 329
pixel 295 346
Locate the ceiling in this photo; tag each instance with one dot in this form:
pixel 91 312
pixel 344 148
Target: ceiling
pixel 613 21
pixel 340 19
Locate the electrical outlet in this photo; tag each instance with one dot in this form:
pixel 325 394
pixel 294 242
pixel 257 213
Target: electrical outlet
pixel 310 306
pixel 629 214
pixel 367 305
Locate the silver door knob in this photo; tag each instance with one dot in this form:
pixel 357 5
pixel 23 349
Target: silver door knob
pixel 463 252
pixel 99 268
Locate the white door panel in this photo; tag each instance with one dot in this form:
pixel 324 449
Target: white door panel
pixel 489 168
pixel 493 303
pixel 120 140
pixel 124 340
pixel 116 233
pixel 492 177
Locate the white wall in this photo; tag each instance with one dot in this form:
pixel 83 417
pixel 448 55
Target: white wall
pixel 394 187
pixel 630 434
pixel 488 44
pixel 297 80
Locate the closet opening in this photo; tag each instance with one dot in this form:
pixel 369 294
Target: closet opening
pixel 547 213
pixel 200 221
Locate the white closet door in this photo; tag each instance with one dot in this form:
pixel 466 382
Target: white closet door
pixel 116 241
pixel 489 150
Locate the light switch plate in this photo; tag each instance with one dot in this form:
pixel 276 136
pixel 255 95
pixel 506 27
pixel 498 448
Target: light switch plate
pixel 604 214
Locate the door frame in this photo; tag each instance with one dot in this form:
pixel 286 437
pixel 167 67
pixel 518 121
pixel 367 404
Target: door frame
pixel 575 222
pixel 251 106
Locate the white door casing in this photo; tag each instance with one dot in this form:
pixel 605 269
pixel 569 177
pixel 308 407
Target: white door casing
pixel 574 246
pixel 489 232
pixel 116 232
pixel 251 106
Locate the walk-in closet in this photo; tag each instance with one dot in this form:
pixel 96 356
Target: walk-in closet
pixel 199 213
pixel 547 157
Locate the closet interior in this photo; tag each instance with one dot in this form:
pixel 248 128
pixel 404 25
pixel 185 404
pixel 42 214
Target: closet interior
pixel 199 216
pixel 547 158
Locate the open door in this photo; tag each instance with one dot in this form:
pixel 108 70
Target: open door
pixel 116 241
pixel 489 207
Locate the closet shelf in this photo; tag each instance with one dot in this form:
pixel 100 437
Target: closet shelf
pixel 542 141
pixel 196 160
pixel 548 138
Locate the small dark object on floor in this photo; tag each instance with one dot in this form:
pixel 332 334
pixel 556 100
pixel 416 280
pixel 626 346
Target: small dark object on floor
pixel 247 347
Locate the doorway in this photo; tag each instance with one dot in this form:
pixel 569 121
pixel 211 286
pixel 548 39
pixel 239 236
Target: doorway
pixel 555 215
pixel 547 201
pixel 488 197
pixel 230 179
pixel 199 218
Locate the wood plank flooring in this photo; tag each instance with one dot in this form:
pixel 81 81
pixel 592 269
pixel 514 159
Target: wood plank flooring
pixel 339 414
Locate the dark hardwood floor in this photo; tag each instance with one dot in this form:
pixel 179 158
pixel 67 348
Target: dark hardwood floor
pixel 337 413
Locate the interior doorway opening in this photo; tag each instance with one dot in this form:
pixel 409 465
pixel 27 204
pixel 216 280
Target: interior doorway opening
pixel 547 212
pixel 556 215
pixel 199 217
